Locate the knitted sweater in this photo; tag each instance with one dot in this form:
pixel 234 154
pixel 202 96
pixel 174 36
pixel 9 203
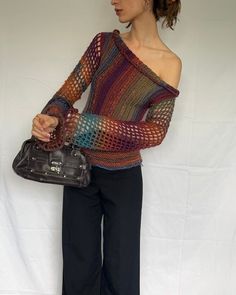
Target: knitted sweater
pixel 111 130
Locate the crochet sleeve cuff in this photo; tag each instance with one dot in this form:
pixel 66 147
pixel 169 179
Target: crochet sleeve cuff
pixel 104 133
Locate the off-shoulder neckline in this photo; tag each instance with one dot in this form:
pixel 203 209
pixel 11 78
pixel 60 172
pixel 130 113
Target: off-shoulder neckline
pixel 141 65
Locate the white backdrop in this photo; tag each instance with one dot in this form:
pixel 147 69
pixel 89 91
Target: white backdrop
pixel 188 237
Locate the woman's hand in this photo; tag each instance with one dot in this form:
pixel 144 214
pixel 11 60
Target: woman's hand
pixel 43 125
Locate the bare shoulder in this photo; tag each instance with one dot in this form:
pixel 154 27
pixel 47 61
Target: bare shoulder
pixel 165 63
pixel 172 70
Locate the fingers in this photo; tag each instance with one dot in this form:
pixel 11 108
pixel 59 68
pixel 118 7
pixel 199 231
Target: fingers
pixel 42 126
pixel 39 136
pixel 49 121
pixel 37 124
pixel 45 121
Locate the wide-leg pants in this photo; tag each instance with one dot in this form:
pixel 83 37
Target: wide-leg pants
pixel 115 195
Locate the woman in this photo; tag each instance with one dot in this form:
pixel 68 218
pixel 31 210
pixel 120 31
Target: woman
pixel 130 73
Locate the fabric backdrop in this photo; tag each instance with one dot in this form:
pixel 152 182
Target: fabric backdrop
pixel 188 235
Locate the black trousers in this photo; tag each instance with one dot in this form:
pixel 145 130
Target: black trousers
pixel 115 195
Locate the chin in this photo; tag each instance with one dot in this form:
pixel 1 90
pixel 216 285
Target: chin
pixel 124 20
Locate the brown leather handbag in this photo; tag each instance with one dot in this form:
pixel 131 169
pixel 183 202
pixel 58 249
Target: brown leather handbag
pixel 66 166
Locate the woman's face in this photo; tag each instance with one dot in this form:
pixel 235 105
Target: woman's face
pixel 127 10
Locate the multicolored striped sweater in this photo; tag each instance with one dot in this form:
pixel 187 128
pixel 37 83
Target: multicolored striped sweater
pixel 111 130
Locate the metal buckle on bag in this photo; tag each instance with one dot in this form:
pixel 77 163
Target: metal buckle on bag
pixel 57 166
pixel 75 150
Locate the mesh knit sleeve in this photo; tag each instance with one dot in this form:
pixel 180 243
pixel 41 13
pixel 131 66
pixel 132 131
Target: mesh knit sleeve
pixel 80 78
pixel 104 133
pixel 72 89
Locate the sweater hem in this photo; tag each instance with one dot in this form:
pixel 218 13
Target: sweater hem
pixel 113 160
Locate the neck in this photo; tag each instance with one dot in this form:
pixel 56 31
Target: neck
pixel 144 32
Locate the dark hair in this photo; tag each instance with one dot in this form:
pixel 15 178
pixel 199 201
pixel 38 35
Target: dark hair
pixel 166 9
